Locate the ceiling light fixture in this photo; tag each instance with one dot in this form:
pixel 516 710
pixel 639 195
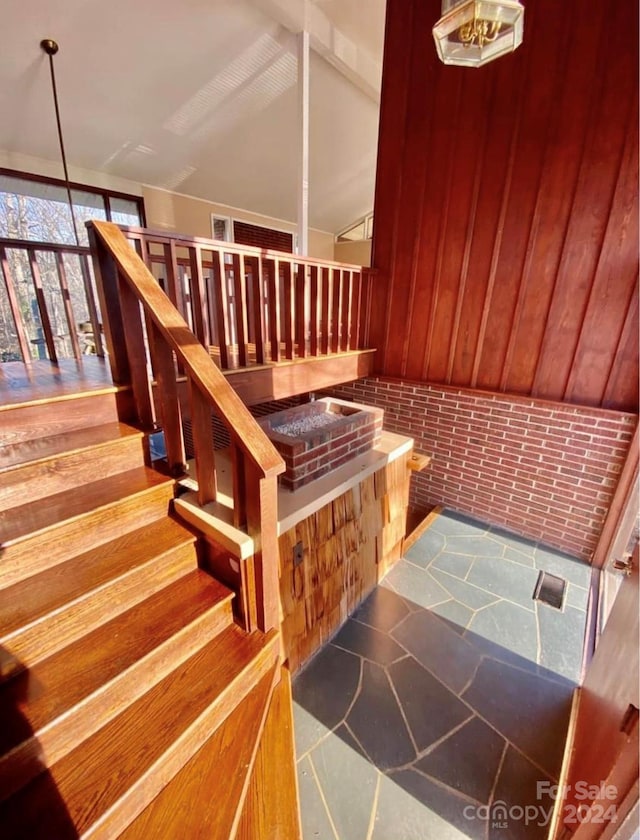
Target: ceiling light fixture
pixel 471 33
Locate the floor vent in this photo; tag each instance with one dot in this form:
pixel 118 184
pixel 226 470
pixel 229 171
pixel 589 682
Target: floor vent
pixel 550 589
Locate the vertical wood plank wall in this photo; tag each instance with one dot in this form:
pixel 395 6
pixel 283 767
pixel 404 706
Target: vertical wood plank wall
pixel 506 211
pixel 348 546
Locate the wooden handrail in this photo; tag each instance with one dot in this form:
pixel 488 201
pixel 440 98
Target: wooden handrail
pixel 197 362
pixel 137 312
pixel 182 241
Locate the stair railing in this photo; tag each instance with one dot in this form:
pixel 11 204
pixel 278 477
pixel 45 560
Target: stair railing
pixel 144 330
pixel 254 305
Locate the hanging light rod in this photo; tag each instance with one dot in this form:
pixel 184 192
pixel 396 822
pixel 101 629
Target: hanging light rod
pixel 50 47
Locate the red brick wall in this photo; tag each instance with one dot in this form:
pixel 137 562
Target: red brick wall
pixel 541 469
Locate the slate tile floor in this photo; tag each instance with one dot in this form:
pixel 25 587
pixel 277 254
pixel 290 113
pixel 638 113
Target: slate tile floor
pixel 445 699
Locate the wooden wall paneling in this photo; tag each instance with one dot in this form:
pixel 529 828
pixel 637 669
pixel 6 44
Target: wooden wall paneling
pixel 610 293
pixel 487 245
pixel 414 168
pixel 476 256
pixel 447 92
pixel 537 78
pixel 391 138
pixel 622 384
pixel 601 155
pixel 572 91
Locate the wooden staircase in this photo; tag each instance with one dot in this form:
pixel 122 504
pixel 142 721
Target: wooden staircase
pixel 131 704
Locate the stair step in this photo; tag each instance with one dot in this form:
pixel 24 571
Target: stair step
pixel 42 614
pixel 86 684
pixel 103 784
pixel 38 535
pixel 41 418
pixel 270 807
pixel 185 807
pixel 63 462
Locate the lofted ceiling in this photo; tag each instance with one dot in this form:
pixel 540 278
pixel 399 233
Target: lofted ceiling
pixel 200 96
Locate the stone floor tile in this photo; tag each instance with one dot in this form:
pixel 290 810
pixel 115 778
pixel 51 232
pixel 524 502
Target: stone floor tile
pixel 307 729
pixel 467 594
pixel 441 650
pixel 426 547
pixel 577 597
pixel 431 710
pixel 468 760
pixel 531 712
pixel 509 580
pixel 377 722
pixel 313 814
pixel 328 684
pixel 383 609
pixel 457 565
pixel 475 546
pixel 455 614
pixel 416 585
pixel 563 565
pixel 561 635
pixel 445 814
pixel 451 523
pixel 368 643
pixel 517 788
pixel 348 782
pixel 510 626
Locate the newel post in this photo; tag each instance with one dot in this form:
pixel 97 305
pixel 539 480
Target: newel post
pixel 123 330
pixel 106 274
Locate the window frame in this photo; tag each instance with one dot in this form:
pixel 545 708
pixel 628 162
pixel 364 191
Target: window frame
pixel 105 194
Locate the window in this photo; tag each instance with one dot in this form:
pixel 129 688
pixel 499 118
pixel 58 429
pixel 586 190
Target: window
pixel 221 228
pixel 37 209
pixel 358 231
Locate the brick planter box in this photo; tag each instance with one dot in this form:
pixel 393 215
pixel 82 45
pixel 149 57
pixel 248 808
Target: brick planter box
pixel 320 436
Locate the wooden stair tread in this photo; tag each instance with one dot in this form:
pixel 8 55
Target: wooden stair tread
pixel 270 807
pixel 114 774
pixel 185 807
pixel 31 518
pixel 42 449
pixel 83 672
pixel 63 584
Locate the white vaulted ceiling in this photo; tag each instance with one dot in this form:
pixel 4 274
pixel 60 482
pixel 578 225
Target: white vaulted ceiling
pixel 199 96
